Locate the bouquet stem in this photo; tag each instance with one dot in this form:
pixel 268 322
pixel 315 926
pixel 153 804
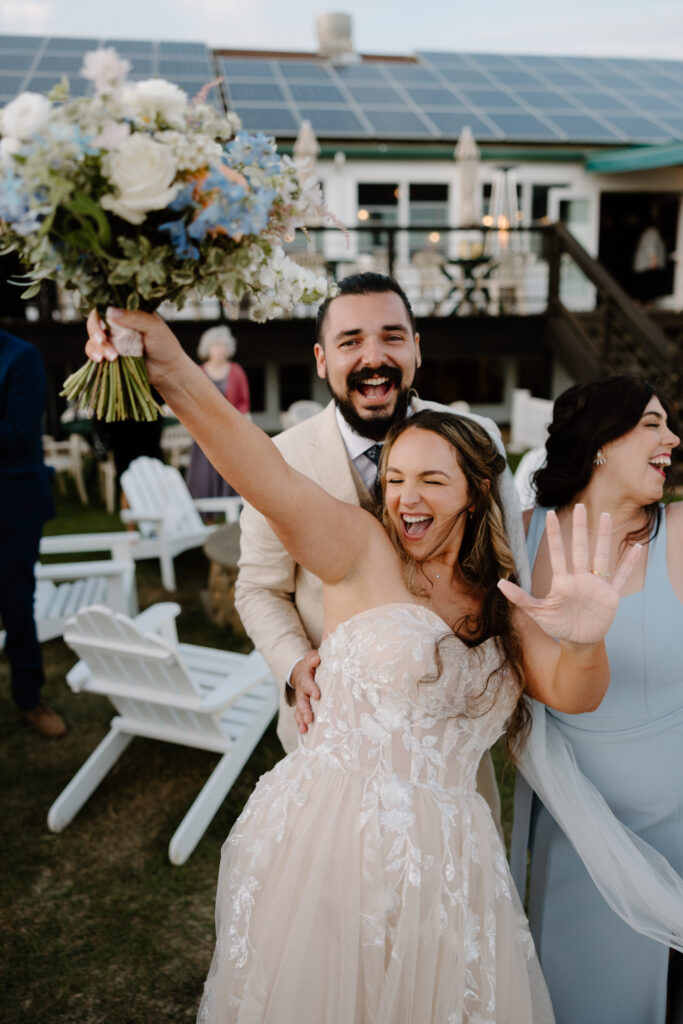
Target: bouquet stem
pixel 113 391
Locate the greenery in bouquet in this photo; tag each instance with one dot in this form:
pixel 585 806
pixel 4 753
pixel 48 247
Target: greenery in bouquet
pixel 136 196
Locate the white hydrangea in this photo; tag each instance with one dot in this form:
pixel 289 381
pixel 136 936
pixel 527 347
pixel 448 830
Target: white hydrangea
pixel 25 116
pixel 112 135
pixel 191 151
pixel 105 69
pixel 156 97
pixel 8 147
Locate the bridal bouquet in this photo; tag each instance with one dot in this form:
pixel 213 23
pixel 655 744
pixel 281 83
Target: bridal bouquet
pixel 137 196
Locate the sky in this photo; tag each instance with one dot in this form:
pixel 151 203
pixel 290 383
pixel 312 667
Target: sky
pixel 595 28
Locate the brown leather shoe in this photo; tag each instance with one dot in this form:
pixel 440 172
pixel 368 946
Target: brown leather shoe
pixel 46 721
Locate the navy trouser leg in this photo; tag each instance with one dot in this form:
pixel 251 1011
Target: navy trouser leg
pixel 18 555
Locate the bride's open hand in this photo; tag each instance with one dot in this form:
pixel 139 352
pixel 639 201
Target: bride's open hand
pixel 581 604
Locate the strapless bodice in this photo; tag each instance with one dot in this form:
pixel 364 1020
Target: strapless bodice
pixel 388 707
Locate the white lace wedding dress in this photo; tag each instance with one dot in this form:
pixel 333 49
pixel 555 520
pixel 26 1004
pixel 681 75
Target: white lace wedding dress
pixel 365 881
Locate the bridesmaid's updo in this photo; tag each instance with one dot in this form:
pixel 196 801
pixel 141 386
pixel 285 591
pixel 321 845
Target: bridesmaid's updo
pixel 585 417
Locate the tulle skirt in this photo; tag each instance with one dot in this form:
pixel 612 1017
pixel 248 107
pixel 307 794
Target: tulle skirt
pixel 348 899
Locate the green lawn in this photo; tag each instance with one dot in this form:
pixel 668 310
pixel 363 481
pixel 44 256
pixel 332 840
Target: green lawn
pixel 97 926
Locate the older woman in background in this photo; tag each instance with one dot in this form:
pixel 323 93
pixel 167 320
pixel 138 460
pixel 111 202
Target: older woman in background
pixel 609 448
pixel 216 349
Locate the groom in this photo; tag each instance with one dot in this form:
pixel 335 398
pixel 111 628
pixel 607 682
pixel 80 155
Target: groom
pixel 368 352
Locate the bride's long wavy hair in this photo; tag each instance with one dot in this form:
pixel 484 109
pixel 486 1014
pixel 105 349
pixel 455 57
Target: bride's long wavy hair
pixel 484 558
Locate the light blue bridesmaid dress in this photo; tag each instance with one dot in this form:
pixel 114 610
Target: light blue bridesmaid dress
pixel 598 970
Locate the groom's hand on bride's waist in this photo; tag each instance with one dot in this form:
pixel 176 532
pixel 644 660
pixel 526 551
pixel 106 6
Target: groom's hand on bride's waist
pixel 304 688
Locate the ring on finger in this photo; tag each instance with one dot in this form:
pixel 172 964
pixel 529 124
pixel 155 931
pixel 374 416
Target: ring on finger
pixel 597 572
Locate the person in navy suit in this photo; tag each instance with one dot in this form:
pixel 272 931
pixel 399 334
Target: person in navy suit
pixel 25 504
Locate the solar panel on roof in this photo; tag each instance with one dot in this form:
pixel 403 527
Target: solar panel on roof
pixel 167 49
pixel 431 97
pixel 330 121
pixel 141 65
pixel 126 46
pixel 546 99
pixel 566 79
pixel 655 81
pixel 536 62
pixel 582 128
pixel 255 91
pixel 383 94
pixel 584 63
pixel 523 126
pixel 234 68
pixel 302 70
pixel 675 124
pixel 44 83
pixel 653 103
pixel 396 122
pixel 16 61
pixel 490 99
pixel 169 66
pixel 71 45
pixel 10 85
pixel 272 120
pixel 609 79
pixel 602 101
pixel 465 76
pixel 363 72
pixel 67 64
pixel 304 93
pixel 492 60
pixel 516 78
pixel 411 73
pixel 32 43
pixel 452 122
pixel 639 129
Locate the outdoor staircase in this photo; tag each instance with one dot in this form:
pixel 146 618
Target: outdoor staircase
pixel 618 336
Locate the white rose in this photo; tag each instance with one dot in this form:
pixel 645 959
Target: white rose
pixel 142 172
pixel 156 96
pixel 25 115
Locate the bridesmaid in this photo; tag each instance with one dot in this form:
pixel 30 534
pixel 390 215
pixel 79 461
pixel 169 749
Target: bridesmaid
pixel 609 448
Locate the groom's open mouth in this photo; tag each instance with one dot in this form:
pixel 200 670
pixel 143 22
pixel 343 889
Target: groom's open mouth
pixel 375 385
pixel 416 526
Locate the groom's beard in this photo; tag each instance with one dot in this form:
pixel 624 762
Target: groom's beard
pixel 371 425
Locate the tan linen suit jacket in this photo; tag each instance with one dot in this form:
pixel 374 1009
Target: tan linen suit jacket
pixel 280 603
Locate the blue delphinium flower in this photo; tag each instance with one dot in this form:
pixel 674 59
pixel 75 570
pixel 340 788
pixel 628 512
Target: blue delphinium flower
pixel 182 247
pixel 246 150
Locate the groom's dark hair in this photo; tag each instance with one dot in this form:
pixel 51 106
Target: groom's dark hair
pixel 363 284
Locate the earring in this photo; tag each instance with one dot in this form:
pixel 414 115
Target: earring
pixel 599 458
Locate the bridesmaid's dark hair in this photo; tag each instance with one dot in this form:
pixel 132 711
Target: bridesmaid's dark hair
pixel 484 557
pixel 585 417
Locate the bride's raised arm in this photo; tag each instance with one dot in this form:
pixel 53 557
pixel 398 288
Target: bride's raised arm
pixel 570 672
pixel 329 537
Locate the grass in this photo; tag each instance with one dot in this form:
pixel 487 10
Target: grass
pixel 96 925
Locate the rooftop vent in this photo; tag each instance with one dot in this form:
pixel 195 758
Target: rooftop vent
pixel 334 35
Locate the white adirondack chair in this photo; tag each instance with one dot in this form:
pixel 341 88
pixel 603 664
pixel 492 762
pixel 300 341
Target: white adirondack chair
pixel 529 463
pixel 166 515
pixel 176 443
pixel 181 693
pixel 63 588
pixel 529 420
pixel 67 457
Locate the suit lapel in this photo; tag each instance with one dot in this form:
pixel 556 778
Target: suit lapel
pixel 335 471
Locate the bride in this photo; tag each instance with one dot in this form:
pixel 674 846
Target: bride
pixel 365 880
